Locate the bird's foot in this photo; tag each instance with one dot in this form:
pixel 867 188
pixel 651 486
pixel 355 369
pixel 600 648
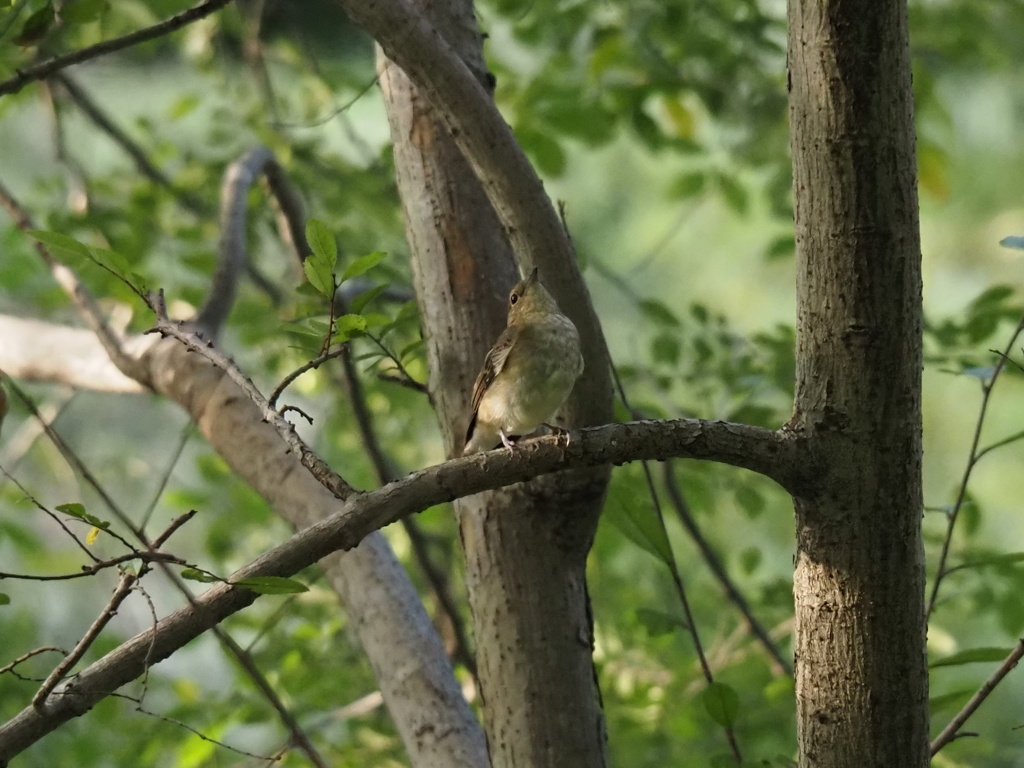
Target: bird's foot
pixel 559 432
pixel 509 441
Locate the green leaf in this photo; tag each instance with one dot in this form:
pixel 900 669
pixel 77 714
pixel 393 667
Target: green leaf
pixel 78 511
pixel 639 523
pixel 60 242
pixel 687 185
pixel 781 247
pixel 362 264
pixel 320 273
pixel 272 585
pixel 750 500
pixel 348 327
pixel 321 241
pixel 72 508
pixel 193 574
pixel 971 656
pixel 659 623
pixel 5 599
pixel 1004 559
pixel 358 304
pixel 36 26
pixel 722 703
pixel 659 312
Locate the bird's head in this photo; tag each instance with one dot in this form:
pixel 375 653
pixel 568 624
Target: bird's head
pixel 530 297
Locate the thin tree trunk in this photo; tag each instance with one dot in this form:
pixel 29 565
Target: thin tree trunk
pixel 861 680
pixel 525 546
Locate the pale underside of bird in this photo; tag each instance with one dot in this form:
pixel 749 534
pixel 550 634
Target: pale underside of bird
pixel 528 374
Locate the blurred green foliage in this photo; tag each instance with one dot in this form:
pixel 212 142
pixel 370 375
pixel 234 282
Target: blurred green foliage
pixel 599 93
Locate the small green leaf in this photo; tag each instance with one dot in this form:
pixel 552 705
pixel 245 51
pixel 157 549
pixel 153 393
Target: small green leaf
pixel 78 511
pixel 722 703
pixel 640 524
pixel 358 304
pixel 272 585
pixel 362 264
pixel 5 599
pixel 193 574
pixel 780 248
pixel 659 312
pixel 72 508
pixel 348 327
pixel 36 26
pixel 320 274
pixel 61 242
pixel 971 656
pixel 321 241
pixel 687 185
pixel 659 623
pixel 750 500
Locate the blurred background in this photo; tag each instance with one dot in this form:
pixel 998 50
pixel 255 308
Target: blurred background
pixel 662 125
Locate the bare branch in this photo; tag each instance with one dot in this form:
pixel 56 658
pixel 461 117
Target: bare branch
pixel 317 466
pixel 50 66
pixel 952 731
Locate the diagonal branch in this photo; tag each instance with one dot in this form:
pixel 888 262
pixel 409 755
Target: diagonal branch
pixel 777 454
pixel 46 68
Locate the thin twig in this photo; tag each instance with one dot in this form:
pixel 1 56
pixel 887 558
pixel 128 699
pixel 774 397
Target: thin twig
pixel 677 578
pixel 187 727
pixel 50 66
pixel 86 305
pixel 717 568
pixel 26 656
pixel 102 565
pixel 973 456
pixel 311 365
pixel 123 589
pixel 951 731
pixel 317 466
pixel 243 658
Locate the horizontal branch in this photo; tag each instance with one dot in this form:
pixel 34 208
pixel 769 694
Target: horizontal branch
pixel 57 63
pixel 778 455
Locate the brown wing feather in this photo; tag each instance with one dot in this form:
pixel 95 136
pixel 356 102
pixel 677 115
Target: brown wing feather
pixel 493 364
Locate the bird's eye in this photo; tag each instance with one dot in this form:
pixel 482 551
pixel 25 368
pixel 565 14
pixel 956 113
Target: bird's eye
pixel 513 297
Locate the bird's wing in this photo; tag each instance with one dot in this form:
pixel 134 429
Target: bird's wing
pixel 493 363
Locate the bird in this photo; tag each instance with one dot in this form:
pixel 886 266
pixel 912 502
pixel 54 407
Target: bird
pixel 529 372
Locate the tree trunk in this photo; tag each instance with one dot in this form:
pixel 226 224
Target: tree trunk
pixel 525 546
pixel 861 680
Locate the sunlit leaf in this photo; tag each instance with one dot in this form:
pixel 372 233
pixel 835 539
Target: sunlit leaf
pixel 362 264
pixel 321 241
pixel 94 533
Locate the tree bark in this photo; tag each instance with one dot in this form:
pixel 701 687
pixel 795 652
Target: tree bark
pixel 525 546
pixel 861 679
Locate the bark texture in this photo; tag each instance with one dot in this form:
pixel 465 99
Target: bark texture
pixel 525 546
pixel 861 680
